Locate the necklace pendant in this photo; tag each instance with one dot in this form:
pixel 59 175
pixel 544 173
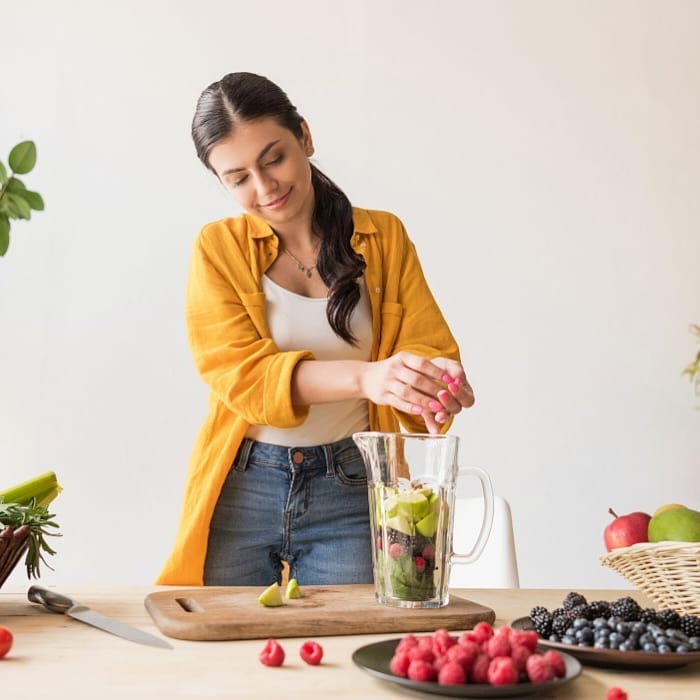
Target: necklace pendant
pixel 308 273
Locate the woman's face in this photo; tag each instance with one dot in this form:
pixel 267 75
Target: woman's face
pixel 266 169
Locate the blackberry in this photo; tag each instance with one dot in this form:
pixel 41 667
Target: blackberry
pixel 561 623
pixel 627 608
pixel 648 615
pixel 598 608
pixel 669 618
pixel 573 600
pixel 577 611
pixel 690 625
pixel 542 620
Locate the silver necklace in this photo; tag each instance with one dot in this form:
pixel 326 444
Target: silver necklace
pixel 308 271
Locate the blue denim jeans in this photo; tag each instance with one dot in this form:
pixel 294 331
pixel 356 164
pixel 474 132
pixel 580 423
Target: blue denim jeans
pixel 307 506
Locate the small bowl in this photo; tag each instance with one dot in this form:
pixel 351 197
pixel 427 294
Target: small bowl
pixel 13 546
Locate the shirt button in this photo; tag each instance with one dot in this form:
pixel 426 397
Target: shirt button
pixel 297 457
pixel 378 290
pixel 363 245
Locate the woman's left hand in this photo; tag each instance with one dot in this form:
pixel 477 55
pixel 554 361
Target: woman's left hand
pixel 453 399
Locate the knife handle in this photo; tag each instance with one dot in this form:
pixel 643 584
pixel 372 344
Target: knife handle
pixel 50 599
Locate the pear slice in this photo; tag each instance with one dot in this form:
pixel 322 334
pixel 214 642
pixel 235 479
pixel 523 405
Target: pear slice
pixel 271 597
pixel 292 590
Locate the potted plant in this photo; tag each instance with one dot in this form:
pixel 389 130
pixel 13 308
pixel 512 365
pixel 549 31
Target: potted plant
pixel 16 201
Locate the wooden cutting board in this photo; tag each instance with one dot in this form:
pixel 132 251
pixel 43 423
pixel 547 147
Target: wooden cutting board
pixel 222 612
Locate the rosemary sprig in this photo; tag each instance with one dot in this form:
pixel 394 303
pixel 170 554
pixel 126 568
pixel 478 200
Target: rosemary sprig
pixel 40 523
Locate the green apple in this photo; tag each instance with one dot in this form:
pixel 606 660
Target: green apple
pixel 400 523
pixel 413 504
pixel 292 590
pixel 271 597
pixel 427 525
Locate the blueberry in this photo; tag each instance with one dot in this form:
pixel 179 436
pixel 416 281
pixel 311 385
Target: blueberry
pixel 580 623
pixel 664 649
pixel 682 649
pixel 646 638
pixel 694 643
pixel 639 627
pixel 554 638
pixel 602 633
pixel 566 639
pixel 600 622
pixel 570 632
pixel 602 644
pixel 623 628
pixel 625 646
pixel 649 646
pixel 616 638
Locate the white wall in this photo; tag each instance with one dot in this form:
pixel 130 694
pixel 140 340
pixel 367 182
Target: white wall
pixel 544 155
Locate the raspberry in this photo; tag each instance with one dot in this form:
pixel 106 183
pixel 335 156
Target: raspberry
pixel 520 654
pixel 471 646
pixel 615 693
pixel 272 653
pixel 442 641
pixel 425 643
pixel 406 643
pixel 463 655
pixel 419 563
pixel 399 664
pixel 480 669
pixel 502 671
pixel 421 671
pixel 395 550
pixel 421 653
pixel 498 645
pixel 428 552
pixel 452 673
pixel 311 652
pixel 527 639
pixel 538 670
pixel 555 660
pixel 482 631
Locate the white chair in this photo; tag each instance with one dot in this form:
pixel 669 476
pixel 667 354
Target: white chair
pixel 497 567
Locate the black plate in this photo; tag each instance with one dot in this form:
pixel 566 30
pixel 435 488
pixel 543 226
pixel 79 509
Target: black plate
pixel 375 658
pixel 612 658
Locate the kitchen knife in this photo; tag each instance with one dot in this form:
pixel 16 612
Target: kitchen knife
pixel 62 604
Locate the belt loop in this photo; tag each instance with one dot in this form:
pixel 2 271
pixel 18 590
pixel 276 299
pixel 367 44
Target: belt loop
pixel 330 460
pixel 243 453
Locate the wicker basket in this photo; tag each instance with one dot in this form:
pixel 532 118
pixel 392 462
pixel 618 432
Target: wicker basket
pixel 13 545
pixel 668 572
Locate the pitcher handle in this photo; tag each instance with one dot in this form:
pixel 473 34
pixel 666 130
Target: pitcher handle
pixel 487 521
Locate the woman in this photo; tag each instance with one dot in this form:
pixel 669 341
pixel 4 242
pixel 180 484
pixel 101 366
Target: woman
pixel 309 320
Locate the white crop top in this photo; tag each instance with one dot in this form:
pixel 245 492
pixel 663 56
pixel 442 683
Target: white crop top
pixel 297 322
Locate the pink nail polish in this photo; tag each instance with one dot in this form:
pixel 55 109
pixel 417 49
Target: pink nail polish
pixel 453 387
pixel 435 405
pixel 446 378
pixel 457 381
pixel 443 395
pixel 416 409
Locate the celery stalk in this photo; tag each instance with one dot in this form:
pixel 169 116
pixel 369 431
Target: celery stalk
pixel 41 489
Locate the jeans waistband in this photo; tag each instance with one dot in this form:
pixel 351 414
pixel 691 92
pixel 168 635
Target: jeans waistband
pixel 305 456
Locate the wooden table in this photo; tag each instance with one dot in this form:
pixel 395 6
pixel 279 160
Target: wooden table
pixel 57 657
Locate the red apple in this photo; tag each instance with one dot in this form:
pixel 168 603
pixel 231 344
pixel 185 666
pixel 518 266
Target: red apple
pixel 625 530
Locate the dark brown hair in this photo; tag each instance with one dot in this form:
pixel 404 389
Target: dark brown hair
pixel 242 97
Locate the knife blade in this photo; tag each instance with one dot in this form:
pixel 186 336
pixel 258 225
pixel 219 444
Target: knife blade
pixel 63 604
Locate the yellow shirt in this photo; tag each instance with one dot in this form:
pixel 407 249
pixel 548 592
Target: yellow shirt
pixel 250 378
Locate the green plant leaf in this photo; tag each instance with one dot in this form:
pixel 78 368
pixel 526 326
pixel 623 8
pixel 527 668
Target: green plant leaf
pixel 34 200
pixel 15 185
pixel 17 207
pixel 4 234
pixel 3 174
pixel 23 157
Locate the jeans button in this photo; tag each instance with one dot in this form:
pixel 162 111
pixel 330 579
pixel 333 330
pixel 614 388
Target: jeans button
pixel 297 457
